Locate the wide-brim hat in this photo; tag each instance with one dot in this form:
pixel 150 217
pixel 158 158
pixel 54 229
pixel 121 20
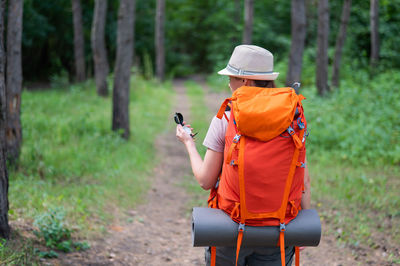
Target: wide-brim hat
pixel 251 62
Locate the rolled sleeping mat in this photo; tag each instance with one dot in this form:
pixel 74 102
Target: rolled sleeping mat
pixel 213 227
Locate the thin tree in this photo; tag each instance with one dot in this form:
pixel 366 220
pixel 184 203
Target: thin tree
pixel 340 40
pixel 14 80
pixel 79 43
pixel 322 50
pixel 374 20
pixel 159 39
pixel 101 67
pixel 248 21
pixel 4 227
pixel 122 73
pixel 298 15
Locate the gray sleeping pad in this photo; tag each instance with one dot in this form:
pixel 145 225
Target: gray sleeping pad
pixel 213 227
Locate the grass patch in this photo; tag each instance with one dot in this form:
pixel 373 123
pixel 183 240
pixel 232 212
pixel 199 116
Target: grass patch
pixel 17 251
pixel 198 113
pixel 71 159
pixel 200 120
pixel 198 197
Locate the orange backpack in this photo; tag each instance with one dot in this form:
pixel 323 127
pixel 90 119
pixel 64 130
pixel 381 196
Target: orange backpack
pixel 262 177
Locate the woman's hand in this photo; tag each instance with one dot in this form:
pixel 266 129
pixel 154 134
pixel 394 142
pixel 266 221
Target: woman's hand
pixel 182 135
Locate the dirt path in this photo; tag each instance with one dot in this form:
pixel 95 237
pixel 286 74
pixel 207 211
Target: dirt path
pixel 159 230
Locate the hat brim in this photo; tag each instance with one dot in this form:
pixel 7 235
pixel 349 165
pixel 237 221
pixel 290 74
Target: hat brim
pixel 271 76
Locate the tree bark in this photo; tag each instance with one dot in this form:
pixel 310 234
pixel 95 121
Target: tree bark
pixel 14 80
pixel 159 39
pixel 4 227
pixel 340 40
pixel 79 43
pixel 322 50
pixel 101 67
pixel 248 21
pixel 374 20
pixel 125 35
pixel 298 15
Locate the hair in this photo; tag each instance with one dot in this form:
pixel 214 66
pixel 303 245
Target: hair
pixel 265 83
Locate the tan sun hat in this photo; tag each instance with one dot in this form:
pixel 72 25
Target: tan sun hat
pixel 251 62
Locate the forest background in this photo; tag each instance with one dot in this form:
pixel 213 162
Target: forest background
pixel 355 131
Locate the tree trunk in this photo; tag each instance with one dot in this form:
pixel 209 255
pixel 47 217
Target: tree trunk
pixel 159 39
pixel 248 21
pixel 4 227
pixel 101 67
pixel 79 43
pixel 374 20
pixel 14 80
pixel 298 39
pixel 322 50
pixel 340 40
pixel 125 35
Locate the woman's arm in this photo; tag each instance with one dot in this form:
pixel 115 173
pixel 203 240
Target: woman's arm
pixel 206 172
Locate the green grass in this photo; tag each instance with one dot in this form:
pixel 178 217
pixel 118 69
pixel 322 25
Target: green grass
pixel 17 251
pixel 71 159
pixel 200 120
pixel 354 153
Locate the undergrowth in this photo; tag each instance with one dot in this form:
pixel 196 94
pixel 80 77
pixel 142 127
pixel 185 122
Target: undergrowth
pixel 17 251
pixel 71 159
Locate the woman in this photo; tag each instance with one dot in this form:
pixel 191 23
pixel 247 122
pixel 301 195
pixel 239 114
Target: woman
pixel 251 66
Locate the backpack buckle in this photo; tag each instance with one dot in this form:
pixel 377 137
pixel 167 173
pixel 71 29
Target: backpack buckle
pixel 236 138
pixel 300 123
pixel 241 227
pixel 291 131
pixel 282 227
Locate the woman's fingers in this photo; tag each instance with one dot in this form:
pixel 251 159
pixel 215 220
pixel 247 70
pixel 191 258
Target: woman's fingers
pixel 181 134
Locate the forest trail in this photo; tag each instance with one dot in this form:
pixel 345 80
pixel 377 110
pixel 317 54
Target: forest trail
pixel 159 230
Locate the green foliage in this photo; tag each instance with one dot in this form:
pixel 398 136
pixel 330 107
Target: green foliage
pixel 358 123
pixel 51 254
pixel 71 158
pixel 60 80
pixel 55 233
pixel 147 67
pixel 12 252
pixel 52 227
pixel 200 35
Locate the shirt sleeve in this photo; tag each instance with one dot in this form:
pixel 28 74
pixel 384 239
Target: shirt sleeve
pixel 215 138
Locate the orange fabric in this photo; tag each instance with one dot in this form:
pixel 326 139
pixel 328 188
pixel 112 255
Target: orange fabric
pixel 221 111
pixel 265 161
pixel 263 113
pixel 297 256
pixel 235 212
pixel 282 246
pixel 213 256
pixel 238 245
pixel 266 178
pixel 230 151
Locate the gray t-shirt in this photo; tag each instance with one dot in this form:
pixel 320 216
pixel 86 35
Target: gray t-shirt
pixel 215 138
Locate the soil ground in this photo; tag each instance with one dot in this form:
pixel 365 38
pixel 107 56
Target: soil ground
pixel 159 231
